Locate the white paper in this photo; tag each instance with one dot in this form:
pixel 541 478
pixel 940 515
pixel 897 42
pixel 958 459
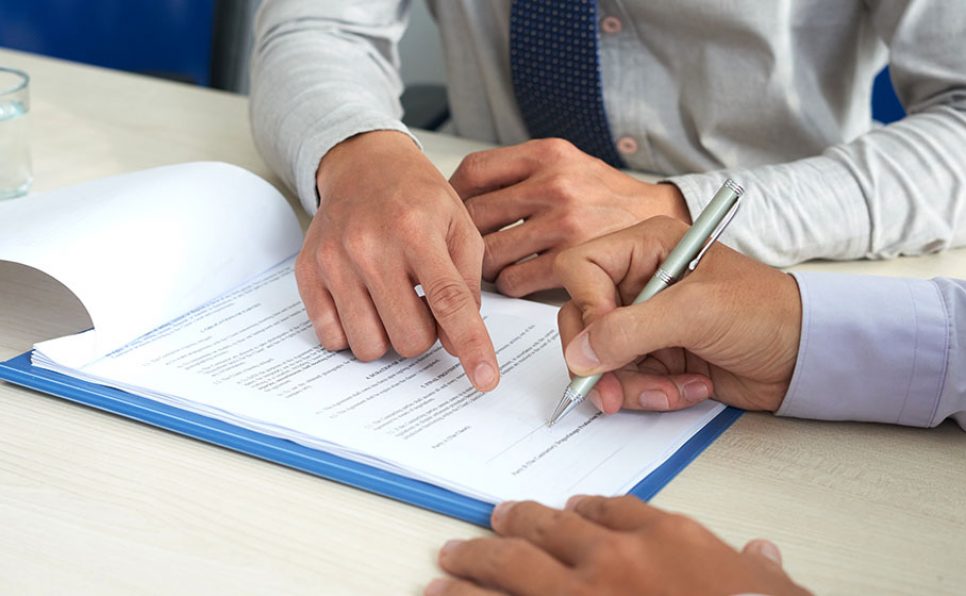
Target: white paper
pixel 250 357
pixel 141 249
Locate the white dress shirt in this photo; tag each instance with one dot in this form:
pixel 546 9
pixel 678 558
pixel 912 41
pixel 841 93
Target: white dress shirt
pixel 775 94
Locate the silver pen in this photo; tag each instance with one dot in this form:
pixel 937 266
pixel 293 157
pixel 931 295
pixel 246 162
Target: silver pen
pixel 683 258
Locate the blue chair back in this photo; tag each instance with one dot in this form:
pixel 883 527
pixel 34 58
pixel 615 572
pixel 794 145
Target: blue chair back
pixel 170 38
pixel 885 105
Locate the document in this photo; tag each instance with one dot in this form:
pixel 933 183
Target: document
pixel 251 357
pixel 246 353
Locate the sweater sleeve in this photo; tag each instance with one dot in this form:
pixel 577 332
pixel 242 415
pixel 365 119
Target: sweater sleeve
pixel 323 71
pixel 899 189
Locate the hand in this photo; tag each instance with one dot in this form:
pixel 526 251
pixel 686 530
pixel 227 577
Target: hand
pixel 600 545
pixel 388 221
pixel 731 328
pixel 563 196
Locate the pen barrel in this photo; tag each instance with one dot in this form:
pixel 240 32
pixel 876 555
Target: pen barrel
pixel 702 229
pixel 653 287
pixel 582 385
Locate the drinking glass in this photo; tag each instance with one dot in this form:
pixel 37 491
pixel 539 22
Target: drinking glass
pixel 15 168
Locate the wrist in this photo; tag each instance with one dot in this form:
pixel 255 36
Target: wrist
pixel 355 152
pixel 671 202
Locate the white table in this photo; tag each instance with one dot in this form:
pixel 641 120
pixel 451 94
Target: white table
pixel 91 502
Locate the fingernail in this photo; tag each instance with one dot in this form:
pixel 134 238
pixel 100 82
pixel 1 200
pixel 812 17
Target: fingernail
pixel 572 501
pixel 594 397
pixel 695 391
pixel 770 551
pixel 499 512
pixel 484 375
pixel 435 587
pixel 449 546
pixel 654 399
pixel 583 354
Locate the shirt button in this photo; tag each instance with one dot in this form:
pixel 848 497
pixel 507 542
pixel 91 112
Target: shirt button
pixel 627 145
pixel 611 25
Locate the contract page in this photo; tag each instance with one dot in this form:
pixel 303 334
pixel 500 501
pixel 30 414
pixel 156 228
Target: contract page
pixel 250 357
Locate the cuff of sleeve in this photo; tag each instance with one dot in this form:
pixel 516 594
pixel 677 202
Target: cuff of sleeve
pixel 349 121
pixel 695 195
pixel 872 349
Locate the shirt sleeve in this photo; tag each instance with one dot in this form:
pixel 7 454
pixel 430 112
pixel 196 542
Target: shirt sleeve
pixel 880 350
pixel 899 189
pixel 323 71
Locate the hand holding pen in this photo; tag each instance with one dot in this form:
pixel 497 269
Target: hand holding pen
pixel 731 328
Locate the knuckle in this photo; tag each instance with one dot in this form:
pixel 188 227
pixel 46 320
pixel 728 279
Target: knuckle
pixel 624 501
pixel 371 349
pixel 603 508
pixel 592 507
pixel 559 186
pixel 475 245
pixel 625 551
pixel 510 282
pixel 564 262
pixel 473 209
pixel 329 329
pixel 556 148
pixel 503 558
pixel 514 549
pixel 414 342
pixel 409 223
pixel 678 525
pixel 305 266
pixel 543 530
pixel 492 260
pixel 327 256
pixel 468 171
pixel 448 298
pixel 572 224
pixel 361 242
pixel 493 246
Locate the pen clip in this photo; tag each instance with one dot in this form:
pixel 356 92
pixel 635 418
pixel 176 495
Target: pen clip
pixel 717 232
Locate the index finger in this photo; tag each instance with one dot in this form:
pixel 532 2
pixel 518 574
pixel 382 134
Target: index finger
pixel 454 306
pixel 485 171
pixel 609 271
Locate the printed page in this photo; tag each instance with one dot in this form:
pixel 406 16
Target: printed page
pixel 140 249
pixel 251 357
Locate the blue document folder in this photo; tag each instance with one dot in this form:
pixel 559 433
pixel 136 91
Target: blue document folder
pixel 20 371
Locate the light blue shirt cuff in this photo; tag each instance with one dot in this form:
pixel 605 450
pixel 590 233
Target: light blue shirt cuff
pixel 872 349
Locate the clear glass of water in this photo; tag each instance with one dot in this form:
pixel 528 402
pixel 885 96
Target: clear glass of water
pixel 15 169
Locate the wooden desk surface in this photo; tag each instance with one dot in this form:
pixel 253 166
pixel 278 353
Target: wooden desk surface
pixel 91 502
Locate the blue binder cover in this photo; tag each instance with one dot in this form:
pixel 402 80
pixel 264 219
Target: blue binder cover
pixel 20 371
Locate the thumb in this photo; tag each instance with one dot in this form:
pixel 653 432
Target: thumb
pixel 627 333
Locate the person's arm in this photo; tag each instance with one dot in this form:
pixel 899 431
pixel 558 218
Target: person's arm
pixel 323 71
pixel 880 349
pixel 900 189
pixel 325 113
pixel 834 347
